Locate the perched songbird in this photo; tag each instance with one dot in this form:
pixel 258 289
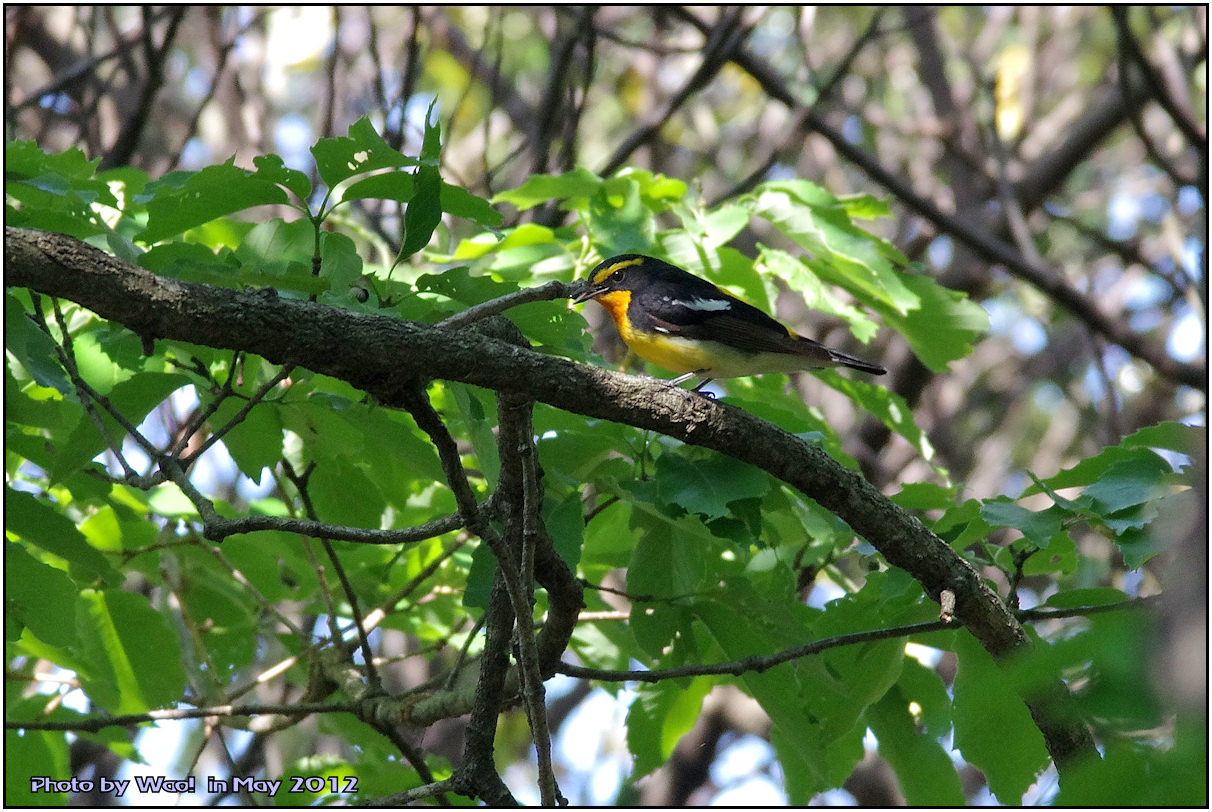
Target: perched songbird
pixel 687 325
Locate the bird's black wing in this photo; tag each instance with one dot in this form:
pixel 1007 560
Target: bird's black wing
pixel 703 312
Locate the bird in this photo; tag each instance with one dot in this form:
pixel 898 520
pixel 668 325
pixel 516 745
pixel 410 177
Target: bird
pixel 689 326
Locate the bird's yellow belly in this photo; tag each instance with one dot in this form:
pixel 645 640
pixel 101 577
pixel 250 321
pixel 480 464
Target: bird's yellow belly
pixel 680 355
pixel 710 358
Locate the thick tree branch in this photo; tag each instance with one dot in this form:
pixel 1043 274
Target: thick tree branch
pixel 385 357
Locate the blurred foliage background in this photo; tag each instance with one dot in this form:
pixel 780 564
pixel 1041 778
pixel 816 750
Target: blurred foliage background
pixel 1050 162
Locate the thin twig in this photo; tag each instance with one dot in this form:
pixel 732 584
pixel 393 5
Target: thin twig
pixel 759 663
pixel 398 799
pixel 217 528
pixel 551 290
pixel 372 674
pixel 100 723
pixel 239 416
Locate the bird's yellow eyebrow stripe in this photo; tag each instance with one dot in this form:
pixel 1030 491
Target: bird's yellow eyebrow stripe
pixel 601 276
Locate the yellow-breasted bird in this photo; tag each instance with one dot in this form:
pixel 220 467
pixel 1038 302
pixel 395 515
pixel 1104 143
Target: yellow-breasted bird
pixel 687 325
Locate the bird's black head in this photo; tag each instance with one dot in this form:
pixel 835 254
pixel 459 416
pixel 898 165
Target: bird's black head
pixel 624 272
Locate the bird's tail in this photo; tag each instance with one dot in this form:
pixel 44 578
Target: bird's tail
pixel 855 363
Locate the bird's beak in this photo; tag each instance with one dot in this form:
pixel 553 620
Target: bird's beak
pixel 587 292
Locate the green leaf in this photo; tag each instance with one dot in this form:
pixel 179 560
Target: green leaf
pixel 255 443
pixel 1133 448
pixel 619 221
pixel 1170 436
pixel 340 263
pixel 889 407
pixel 364 150
pixel 54 192
pixel 843 254
pixel 460 285
pixel 817 295
pixel 924 687
pixel 942 328
pixel 25 160
pixel 423 214
pixel 37 522
pixel 609 540
pixel 192 262
pixel 1130 483
pixel 565 520
pixel 865 207
pixel 578 186
pixel 1109 668
pixel 923 768
pixel 993 728
pixel 270 249
pixel 668 565
pixel 343 494
pixel 38 596
pixel 228 637
pixel 134 657
pixel 659 716
pixel 797 734
pixel 183 200
pixel 479 424
pixel 33 348
pixel 705 482
pixel 461 203
pixel 398 186
pixel 1093 596
pixel 272 168
pixel 31 752
pixel 1038 527
pixel 170 501
pixel 273 563
pixel 925 496
pixel 1142 774
pixel 431 141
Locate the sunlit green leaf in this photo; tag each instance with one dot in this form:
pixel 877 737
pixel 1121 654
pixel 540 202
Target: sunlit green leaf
pixel 539 189
pixel 660 715
pixel 39 523
pixel 461 203
pixel 363 150
pixel 923 768
pixel 38 596
pixel 135 660
pixel 183 200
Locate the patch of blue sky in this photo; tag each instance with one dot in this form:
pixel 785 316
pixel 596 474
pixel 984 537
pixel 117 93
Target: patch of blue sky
pixel 1123 215
pixel 754 792
pixel 1190 201
pixel 196 154
pixel 1194 249
pixel 197 83
pixel 1006 318
pixel 293 138
pixel 1187 341
pixel 742 759
pixel 940 252
pixel 591 748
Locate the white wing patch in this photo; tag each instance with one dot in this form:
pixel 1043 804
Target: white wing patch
pixel 703 304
